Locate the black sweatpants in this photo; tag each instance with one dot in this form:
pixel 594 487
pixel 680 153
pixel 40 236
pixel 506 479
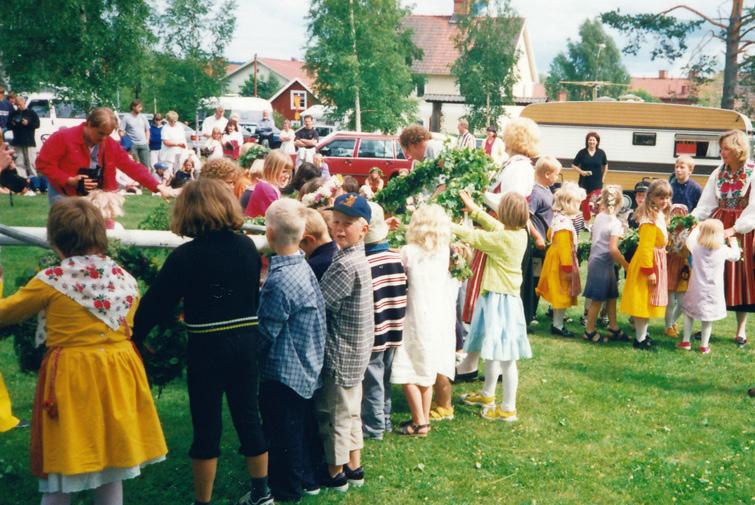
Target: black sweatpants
pixel 224 363
pixel 295 448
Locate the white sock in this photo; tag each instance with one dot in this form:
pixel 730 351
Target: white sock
pixel 56 499
pixel 688 322
pixel 510 385
pixel 641 328
pixel 672 309
pixel 492 372
pixel 707 328
pixel 558 318
pixel 469 364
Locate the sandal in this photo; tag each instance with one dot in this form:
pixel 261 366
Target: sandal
pixel 589 336
pixel 600 339
pixel 410 429
pixel 618 335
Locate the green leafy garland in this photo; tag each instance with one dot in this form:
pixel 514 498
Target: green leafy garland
pixel 255 151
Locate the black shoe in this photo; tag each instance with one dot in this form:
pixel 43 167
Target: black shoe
pixel 354 477
pixel 604 322
pixel 466 377
pixel 262 500
pixel 740 341
pixel 312 490
pixel 698 335
pixel 337 483
pixel 645 345
pixel 561 332
pixel 22 423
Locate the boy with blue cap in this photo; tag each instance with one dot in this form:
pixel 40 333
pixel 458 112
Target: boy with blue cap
pixel 347 289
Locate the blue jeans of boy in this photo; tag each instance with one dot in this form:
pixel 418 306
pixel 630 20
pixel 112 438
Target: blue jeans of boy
pixel 376 394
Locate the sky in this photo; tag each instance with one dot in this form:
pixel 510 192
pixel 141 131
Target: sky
pixel 277 28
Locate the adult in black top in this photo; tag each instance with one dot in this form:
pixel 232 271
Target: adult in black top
pixel 306 136
pixel 592 165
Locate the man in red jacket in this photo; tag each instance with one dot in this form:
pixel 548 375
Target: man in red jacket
pixel 89 145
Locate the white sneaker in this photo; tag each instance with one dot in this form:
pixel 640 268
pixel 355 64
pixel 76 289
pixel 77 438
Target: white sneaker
pixel 30 193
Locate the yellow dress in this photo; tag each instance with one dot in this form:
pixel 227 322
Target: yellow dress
pixel 635 300
pixel 553 286
pixel 93 409
pixel 7 421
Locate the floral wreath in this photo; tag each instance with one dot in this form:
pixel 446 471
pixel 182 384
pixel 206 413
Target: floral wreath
pixel 325 192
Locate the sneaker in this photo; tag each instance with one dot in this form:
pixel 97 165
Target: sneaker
pixel 704 350
pixel 337 483
pixel 740 341
pixel 672 332
pixel 466 377
pixel 561 332
pixel 30 193
pixel 686 346
pixel 478 399
pixel 22 423
pixel 263 500
pixel 645 345
pixel 311 490
pixel 354 477
pixel 441 414
pixel 498 414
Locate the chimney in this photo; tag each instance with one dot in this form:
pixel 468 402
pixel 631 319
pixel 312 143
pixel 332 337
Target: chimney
pixel 462 7
pixel 562 96
pixel 663 74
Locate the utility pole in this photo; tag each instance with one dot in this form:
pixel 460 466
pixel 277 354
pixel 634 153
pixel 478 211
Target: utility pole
pixel 255 73
pixel 357 104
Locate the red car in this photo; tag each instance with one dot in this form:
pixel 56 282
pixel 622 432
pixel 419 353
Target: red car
pixel 355 153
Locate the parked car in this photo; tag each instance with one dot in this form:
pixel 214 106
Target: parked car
pixel 355 153
pixel 54 114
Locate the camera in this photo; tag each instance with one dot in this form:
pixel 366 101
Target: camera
pixel 94 174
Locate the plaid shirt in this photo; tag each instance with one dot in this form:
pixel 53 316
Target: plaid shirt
pixel 292 325
pixel 347 289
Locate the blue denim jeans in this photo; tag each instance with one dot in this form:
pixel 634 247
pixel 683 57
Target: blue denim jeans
pixel 376 394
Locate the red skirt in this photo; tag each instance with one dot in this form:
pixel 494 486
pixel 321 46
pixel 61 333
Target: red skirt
pixel 473 285
pixel 739 276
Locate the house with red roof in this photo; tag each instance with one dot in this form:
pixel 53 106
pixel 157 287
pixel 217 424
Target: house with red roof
pixel 296 92
pixel 440 103
pixel 667 89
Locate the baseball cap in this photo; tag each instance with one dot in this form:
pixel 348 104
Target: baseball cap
pixel 641 187
pixel 353 205
pixel 378 227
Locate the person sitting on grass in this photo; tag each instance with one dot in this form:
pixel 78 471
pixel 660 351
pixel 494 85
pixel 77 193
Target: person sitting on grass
pixel 292 339
pixel 347 290
pixel 94 423
pixel 217 276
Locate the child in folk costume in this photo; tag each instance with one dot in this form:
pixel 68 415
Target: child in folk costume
pixel 645 293
pixel 7 419
pixel 677 263
pixel 94 422
pixel 559 282
pixel 602 285
pixel 428 339
pixel 499 329
pixel 704 300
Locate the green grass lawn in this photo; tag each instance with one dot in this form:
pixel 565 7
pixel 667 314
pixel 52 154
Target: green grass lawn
pixel 598 424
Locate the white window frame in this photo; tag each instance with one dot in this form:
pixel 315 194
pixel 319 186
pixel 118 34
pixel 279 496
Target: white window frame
pixel 294 93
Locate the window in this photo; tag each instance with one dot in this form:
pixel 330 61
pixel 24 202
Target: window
pixel 399 152
pixel 697 146
pixel 298 100
pixel 375 149
pixel 41 107
pixel 643 139
pixel 339 148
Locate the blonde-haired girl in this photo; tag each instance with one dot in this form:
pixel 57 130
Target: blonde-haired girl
pixel 602 285
pixel 428 341
pixel 645 290
pixel 559 282
pixel 275 175
pixel 110 205
pixel 704 300
pixel 499 329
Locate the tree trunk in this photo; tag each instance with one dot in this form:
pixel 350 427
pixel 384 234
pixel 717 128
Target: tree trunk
pixel 357 104
pixel 732 50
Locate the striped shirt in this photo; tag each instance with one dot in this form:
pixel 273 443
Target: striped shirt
pixel 389 295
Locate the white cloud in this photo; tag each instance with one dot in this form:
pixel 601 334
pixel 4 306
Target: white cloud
pixel 278 28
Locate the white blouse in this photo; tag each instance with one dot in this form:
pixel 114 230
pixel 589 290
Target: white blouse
pixel 517 175
pixel 709 203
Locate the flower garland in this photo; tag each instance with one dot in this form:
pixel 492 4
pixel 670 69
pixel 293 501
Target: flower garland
pixel 253 152
pixel 326 192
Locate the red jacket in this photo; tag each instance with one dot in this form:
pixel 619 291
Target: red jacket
pixel 65 152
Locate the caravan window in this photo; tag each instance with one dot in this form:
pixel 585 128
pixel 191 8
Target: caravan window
pixel 697 146
pixel 643 139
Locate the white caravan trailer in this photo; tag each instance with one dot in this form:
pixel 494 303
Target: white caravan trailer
pixel 640 139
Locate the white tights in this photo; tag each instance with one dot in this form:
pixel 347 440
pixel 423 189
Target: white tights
pixel 494 368
pixel 641 328
pixel 706 328
pixel 107 494
pixel 558 318
pixel 674 308
pixel 469 364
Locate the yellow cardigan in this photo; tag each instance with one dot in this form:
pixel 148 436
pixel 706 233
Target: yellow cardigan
pixel 504 248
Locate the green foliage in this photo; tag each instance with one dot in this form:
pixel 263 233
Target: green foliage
pixel 585 60
pixel 266 88
pixel 157 219
pixel 254 152
pixel 486 67
pixel 375 63
pixel 84 49
pixel 647 97
pixel 678 223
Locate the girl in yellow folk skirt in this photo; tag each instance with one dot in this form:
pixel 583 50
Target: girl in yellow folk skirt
pixel 645 290
pixel 7 419
pixel 559 282
pixel 94 422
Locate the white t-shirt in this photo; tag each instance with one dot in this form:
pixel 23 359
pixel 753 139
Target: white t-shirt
pixel 172 134
pixel 211 122
pixel 604 227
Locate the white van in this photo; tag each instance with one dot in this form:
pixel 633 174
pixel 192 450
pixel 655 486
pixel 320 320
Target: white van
pixel 54 114
pixel 640 139
pixel 248 108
